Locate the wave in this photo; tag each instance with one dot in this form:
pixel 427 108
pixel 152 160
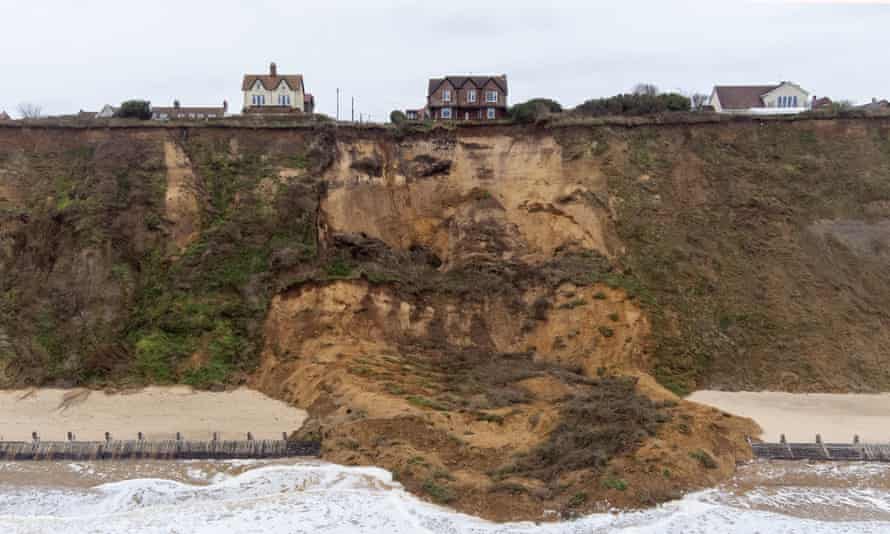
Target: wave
pixel 326 498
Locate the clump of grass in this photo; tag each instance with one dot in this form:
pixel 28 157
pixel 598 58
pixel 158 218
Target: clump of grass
pixel 577 500
pixel 605 331
pixel 614 483
pixel 423 402
pixel 600 296
pixel 614 317
pixel 440 494
pixel 573 304
pixel 706 460
pixel 490 418
pixel 339 268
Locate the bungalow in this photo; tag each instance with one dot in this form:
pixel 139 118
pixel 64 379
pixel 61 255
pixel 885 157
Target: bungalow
pixel 106 112
pixel 276 93
pixel 417 114
pixel 178 112
pixel 784 98
pixel 467 97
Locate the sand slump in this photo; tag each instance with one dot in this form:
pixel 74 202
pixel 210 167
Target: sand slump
pixel 518 192
pixel 181 199
pixel 157 412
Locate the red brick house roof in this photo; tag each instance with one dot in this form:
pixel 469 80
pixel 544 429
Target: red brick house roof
pixel 460 81
pixel 742 96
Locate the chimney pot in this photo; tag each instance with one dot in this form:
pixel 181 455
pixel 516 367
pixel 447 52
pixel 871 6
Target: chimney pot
pixel 176 104
pixel 273 69
pixel 225 105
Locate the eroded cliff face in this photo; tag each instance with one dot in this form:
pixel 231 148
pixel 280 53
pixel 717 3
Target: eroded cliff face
pixel 502 316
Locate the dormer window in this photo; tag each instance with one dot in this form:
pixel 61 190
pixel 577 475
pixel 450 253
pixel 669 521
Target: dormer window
pixel 258 86
pixel 446 95
pixel 491 97
pixel 471 96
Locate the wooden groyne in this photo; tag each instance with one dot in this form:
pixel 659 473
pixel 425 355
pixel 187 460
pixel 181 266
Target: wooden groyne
pixel 156 450
pixel 818 450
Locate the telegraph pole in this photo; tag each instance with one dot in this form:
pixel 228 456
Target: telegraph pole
pixel 338 103
pixel 352 118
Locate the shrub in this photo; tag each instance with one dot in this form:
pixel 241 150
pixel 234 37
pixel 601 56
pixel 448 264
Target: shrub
pixel 440 494
pixel 534 109
pixel 134 109
pixel 706 460
pixel 615 483
pixel 577 500
pixel 606 331
pixel 635 104
pixel 397 117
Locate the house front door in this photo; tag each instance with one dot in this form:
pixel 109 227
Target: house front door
pixel 467 116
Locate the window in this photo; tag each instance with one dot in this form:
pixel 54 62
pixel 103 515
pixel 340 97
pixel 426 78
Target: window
pixel 471 96
pixel 491 113
pixel 446 95
pixel 446 113
pixel 491 96
pixel 283 100
pixel 794 101
pixel 259 100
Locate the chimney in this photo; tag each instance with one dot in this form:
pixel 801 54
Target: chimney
pixel 176 104
pixel 225 106
pixel 273 69
pixel 874 100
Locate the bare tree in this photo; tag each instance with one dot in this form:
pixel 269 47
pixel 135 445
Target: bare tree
pixel 27 110
pixel 649 89
pixel 699 100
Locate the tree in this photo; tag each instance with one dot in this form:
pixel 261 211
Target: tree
pixel 134 109
pixel 699 100
pixel 397 117
pixel 648 89
pixel 534 109
pixel 28 110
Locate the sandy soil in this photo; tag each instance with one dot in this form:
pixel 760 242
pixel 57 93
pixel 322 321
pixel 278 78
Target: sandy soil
pixel 157 412
pixel 801 416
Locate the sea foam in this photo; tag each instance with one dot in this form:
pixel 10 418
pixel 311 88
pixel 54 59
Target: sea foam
pixel 324 498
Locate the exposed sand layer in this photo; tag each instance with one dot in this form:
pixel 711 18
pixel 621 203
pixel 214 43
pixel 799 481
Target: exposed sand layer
pixel 837 417
pixel 157 412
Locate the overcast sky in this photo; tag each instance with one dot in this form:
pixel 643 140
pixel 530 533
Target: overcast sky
pixel 72 55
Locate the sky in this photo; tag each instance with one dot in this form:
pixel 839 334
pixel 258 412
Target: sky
pixel 75 55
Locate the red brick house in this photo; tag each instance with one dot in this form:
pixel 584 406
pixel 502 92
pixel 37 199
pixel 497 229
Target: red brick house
pixel 467 97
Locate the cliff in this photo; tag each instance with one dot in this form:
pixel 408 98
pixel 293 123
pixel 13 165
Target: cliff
pixel 501 315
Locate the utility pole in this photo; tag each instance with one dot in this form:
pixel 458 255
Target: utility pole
pixel 338 103
pixel 352 118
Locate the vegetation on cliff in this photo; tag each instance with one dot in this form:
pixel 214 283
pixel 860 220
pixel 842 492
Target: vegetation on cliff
pixel 480 310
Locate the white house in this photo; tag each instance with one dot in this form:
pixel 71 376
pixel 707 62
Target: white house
pixel 106 112
pixel 274 93
pixel 781 99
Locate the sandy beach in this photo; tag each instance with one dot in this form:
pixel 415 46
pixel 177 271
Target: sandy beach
pixel 837 417
pixel 157 412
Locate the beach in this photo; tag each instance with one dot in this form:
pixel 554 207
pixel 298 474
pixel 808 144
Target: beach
pixel 158 412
